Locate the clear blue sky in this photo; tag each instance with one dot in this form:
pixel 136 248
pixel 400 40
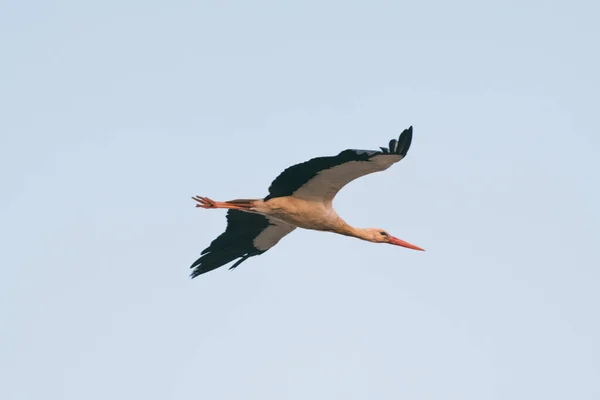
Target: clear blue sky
pixel 114 113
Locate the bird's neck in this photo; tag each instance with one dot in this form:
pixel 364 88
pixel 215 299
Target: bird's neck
pixel 349 230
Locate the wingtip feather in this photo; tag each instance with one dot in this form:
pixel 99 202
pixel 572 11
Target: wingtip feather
pixel 404 141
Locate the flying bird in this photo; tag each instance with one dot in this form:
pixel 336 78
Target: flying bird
pixel 300 197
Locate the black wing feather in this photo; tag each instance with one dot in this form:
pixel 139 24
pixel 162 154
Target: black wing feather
pixel 404 143
pixel 297 175
pixel 237 241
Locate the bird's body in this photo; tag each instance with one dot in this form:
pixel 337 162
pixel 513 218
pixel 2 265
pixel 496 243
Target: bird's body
pixel 300 197
pixel 307 214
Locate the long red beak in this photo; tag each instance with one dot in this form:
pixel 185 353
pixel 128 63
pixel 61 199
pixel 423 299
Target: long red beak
pixel 400 242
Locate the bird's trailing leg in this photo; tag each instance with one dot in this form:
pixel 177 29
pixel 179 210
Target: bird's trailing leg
pixel 205 202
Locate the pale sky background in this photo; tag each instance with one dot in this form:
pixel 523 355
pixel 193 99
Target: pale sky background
pixel 114 113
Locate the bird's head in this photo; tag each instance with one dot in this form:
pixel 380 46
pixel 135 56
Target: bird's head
pixel 377 235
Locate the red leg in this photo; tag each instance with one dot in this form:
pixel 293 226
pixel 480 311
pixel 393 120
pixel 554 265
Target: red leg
pixel 205 202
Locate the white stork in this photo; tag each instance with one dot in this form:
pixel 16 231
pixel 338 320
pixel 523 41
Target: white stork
pixel 300 197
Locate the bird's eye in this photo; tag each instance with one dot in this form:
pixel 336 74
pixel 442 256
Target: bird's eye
pixel 383 233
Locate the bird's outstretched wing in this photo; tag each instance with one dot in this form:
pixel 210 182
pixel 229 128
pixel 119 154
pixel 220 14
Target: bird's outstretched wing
pixel 322 178
pixel 247 235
